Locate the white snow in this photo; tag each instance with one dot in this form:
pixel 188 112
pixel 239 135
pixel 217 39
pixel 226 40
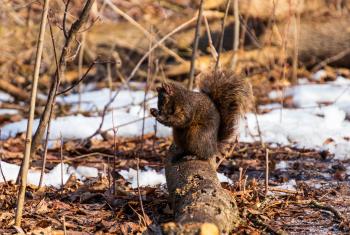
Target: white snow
pixel 301 129
pixel 270 106
pixel 151 178
pixel 130 110
pixel 319 75
pixel 289 185
pixel 5 97
pixel 148 177
pixel 224 179
pixel 311 125
pixel 8 111
pixel 282 165
pixel 52 178
pixel 96 100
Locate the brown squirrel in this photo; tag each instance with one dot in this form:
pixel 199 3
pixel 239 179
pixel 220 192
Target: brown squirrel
pixel 203 120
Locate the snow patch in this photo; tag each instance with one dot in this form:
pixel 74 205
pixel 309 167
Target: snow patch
pixel 282 165
pixel 151 178
pixel 52 178
pixel 289 185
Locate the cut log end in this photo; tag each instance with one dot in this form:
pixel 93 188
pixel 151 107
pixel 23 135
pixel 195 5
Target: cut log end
pixel 200 204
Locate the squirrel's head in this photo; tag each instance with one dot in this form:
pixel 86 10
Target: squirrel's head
pixel 165 98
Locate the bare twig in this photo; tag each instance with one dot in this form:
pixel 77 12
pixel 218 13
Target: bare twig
pixel 80 66
pixel 61 157
pixel 296 20
pixel 258 126
pixel 266 171
pixel 149 79
pixel 222 34
pixel 213 52
pixel 51 113
pixel 43 166
pixel 114 153
pixel 240 178
pixel 65 19
pixel 331 59
pixel 335 212
pixel 245 182
pixel 195 46
pixel 26 158
pixel 64 226
pixel 236 34
pixel 78 81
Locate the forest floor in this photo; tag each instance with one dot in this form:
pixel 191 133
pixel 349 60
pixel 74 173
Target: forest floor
pixel 309 190
pixel 304 129
pixel 315 200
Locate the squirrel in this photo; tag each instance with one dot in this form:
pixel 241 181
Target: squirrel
pixel 201 121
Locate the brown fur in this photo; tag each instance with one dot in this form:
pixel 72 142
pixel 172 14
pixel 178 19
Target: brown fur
pixel 232 96
pixel 201 119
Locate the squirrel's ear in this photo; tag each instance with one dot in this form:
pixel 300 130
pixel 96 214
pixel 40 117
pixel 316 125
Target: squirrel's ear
pixel 168 88
pixel 159 89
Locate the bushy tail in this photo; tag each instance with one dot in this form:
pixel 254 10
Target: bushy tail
pixel 232 96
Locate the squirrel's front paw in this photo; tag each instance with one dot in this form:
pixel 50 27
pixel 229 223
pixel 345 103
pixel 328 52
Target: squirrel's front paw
pixel 154 112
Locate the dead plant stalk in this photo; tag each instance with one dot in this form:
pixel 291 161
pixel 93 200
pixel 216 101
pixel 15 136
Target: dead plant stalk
pixel 236 34
pixel 267 172
pixel 222 34
pixel 28 142
pixel 195 46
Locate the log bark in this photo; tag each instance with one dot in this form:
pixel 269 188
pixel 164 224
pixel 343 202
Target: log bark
pixel 200 204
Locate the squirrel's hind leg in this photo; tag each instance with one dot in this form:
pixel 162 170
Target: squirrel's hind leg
pixel 177 153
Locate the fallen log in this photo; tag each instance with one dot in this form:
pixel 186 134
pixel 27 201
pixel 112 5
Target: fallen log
pixel 318 39
pixel 245 59
pixel 200 204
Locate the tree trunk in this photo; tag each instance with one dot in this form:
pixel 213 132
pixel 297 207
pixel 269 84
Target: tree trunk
pixel 200 204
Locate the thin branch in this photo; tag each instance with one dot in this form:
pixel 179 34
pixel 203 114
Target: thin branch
pixel 78 81
pixel 335 212
pixel 149 77
pixel 51 113
pixel 114 154
pixel 213 52
pixel 28 142
pixel 266 172
pixel 222 34
pixel 296 20
pixel 236 34
pixel 80 66
pixel 61 157
pixel 43 166
pixel 331 59
pixel 195 46
pixel 65 19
